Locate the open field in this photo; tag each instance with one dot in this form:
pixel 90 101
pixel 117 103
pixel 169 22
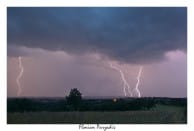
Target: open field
pixel 158 114
pixel 128 117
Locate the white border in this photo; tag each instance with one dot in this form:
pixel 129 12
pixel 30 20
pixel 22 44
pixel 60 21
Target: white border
pixel 96 2
pixel 3 64
pixel 3 56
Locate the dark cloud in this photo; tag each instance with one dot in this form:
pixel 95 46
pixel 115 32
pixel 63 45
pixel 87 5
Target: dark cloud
pixel 16 51
pixel 134 35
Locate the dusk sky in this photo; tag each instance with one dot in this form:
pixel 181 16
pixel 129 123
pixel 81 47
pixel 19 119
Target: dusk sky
pixel 65 48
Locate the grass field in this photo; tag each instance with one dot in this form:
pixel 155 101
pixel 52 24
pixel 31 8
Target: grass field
pixel 160 114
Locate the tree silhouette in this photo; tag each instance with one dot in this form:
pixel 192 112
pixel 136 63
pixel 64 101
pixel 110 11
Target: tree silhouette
pixel 74 98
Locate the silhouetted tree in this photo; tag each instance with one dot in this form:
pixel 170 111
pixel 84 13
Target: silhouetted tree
pixel 74 98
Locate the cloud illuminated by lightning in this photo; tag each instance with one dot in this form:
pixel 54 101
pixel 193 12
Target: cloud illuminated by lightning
pixel 125 84
pixel 19 76
pixel 138 81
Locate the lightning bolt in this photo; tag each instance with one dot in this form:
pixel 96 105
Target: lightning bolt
pixel 125 84
pixel 19 76
pixel 138 81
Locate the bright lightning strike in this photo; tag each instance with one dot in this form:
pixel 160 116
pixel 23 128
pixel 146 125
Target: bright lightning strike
pixel 138 81
pixel 125 84
pixel 19 76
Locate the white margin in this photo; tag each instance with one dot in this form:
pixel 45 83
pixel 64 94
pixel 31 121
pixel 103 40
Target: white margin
pixel 3 60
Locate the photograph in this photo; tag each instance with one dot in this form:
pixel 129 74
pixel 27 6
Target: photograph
pixel 96 65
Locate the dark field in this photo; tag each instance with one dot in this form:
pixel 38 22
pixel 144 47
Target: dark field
pixel 97 111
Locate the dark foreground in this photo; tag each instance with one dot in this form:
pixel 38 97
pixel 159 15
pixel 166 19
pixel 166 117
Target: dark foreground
pixel 98 111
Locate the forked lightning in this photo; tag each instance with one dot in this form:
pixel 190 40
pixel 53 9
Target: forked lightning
pixel 19 91
pixel 138 81
pixel 125 84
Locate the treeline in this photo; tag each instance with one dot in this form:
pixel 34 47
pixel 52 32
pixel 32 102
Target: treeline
pixel 57 105
pixel 28 104
pixel 171 101
pixel 118 105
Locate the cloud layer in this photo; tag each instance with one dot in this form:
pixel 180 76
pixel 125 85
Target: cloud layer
pixel 133 35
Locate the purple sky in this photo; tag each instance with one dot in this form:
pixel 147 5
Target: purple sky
pixel 65 48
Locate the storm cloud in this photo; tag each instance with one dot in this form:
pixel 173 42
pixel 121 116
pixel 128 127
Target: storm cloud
pixel 129 34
